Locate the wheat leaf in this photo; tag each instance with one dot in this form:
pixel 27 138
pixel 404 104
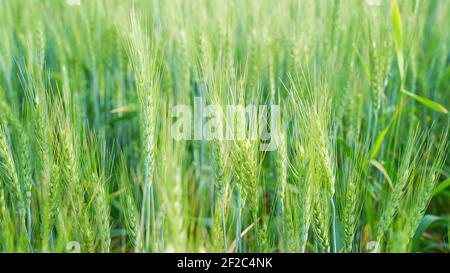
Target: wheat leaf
pixel 441 187
pixel 398 36
pixel 380 167
pixel 428 103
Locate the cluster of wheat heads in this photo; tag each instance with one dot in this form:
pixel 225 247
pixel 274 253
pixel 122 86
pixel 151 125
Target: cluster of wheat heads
pixel 88 161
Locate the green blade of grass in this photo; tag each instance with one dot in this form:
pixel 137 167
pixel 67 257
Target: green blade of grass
pixel 428 103
pixel 378 142
pixel 441 187
pixel 380 167
pixel 398 37
pixel 426 223
pixel 380 138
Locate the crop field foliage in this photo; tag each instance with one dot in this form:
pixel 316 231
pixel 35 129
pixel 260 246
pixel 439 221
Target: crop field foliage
pixel 88 160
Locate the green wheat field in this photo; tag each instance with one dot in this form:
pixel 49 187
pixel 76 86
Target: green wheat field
pixel 88 161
